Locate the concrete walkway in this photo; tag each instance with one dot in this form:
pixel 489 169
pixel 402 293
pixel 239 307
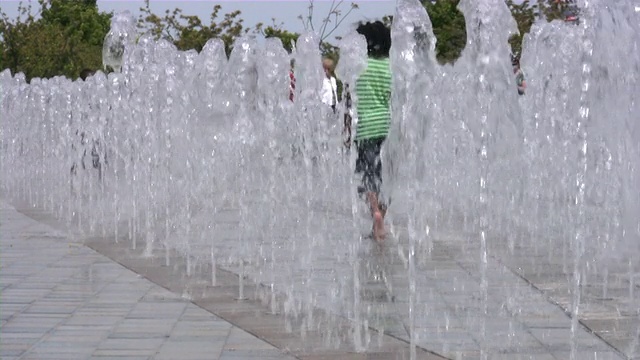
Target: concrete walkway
pixel 62 300
pixel 65 300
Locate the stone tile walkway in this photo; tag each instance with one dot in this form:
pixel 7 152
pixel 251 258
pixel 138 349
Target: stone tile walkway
pixel 62 300
pixel 520 321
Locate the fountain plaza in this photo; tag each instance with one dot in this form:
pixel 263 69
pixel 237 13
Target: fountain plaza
pixel 181 207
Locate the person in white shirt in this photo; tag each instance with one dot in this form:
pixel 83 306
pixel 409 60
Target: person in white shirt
pixel 329 85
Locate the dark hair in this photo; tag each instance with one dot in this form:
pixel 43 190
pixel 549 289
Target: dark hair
pixel 85 73
pixel 378 38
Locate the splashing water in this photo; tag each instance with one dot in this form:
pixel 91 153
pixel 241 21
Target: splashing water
pixel 490 194
pixel 121 35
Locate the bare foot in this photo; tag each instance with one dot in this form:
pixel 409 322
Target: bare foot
pixel 378 226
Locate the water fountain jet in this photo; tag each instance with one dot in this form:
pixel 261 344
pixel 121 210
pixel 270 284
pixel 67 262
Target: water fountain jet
pixel 199 165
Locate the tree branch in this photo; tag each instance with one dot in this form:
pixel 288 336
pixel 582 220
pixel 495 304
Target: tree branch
pixel 353 6
pixel 325 22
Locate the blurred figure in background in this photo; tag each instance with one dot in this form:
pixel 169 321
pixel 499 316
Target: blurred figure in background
pixel 347 133
pixel 83 145
pixel 85 73
pixel 329 84
pixel 292 81
pixel 520 82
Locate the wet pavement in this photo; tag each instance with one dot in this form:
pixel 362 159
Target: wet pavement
pixel 62 300
pixel 515 316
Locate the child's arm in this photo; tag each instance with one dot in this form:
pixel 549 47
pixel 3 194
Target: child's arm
pixel 347 130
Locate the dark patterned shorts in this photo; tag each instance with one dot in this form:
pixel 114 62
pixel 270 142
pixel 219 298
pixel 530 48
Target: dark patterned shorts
pixel 369 164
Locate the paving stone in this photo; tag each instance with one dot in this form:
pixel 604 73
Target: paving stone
pixel 73 303
pixel 124 353
pixel 54 356
pixel 157 310
pixel 44 307
pixel 186 349
pixel 92 338
pixel 62 347
pixel 143 328
pixel 522 355
pixel 16 349
pixel 107 357
pixel 588 355
pixel 93 319
pixel 130 344
pixel 228 354
pixel 519 319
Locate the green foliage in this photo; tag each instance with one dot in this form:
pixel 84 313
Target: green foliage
pixel 13 37
pixel 525 16
pixel 449 29
pixel 449 26
pixel 65 39
pixel 552 9
pixel 188 32
pixel 276 31
pixel 68 35
pixel 330 51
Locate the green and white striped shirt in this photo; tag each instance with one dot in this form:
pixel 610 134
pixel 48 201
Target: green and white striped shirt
pixel 374 96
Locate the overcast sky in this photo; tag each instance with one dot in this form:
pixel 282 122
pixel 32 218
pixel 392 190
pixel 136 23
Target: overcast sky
pixel 252 11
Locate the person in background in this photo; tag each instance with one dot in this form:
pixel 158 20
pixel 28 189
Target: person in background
pixel 329 85
pixel 84 140
pixel 373 90
pixel 292 81
pixel 520 82
pixel 85 73
pixel 347 133
pixel 570 11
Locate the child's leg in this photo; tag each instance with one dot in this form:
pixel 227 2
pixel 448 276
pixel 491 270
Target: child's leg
pixel 378 217
pixel 372 181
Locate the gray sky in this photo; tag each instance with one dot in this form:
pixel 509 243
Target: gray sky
pixel 252 11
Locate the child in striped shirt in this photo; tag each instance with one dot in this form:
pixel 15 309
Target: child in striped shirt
pixel 373 89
